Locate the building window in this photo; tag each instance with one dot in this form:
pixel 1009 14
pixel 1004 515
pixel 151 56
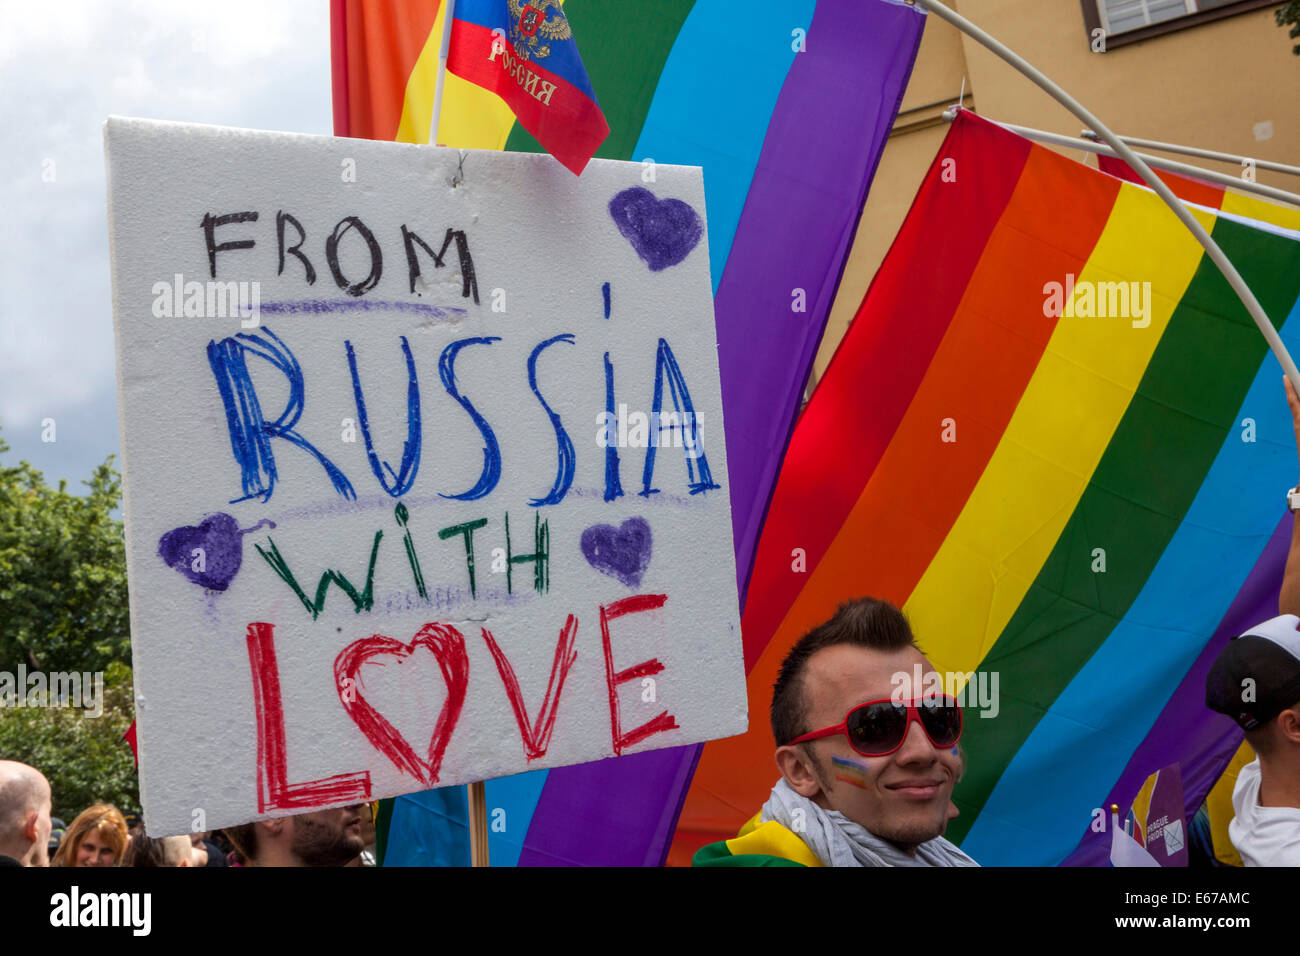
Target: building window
pixel 1128 21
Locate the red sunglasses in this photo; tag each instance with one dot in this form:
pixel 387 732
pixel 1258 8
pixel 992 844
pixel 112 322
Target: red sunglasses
pixel 879 727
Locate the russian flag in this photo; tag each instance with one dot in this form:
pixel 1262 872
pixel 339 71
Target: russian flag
pixel 526 54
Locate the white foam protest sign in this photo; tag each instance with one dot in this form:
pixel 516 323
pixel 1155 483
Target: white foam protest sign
pixel 423 467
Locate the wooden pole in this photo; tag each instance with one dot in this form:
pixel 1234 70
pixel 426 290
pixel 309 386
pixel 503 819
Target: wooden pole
pixel 478 831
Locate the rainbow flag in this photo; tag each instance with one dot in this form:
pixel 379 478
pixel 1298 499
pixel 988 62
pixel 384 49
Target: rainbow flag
pixel 1221 742
pixel 525 53
pixel 787 112
pixel 1083 496
pixel 1210 195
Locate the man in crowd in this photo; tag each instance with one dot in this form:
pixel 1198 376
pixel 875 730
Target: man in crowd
pixel 867 763
pixel 322 838
pixel 24 815
pixel 1255 680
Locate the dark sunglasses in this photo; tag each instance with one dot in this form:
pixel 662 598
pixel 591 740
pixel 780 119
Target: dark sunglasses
pixel 879 727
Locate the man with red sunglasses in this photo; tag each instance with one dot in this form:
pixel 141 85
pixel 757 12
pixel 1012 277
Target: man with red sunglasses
pixel 867 762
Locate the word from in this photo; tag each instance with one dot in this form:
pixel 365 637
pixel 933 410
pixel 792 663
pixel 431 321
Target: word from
pixel 251 432
pixel 1100 300
pixel 364 599
pixel 83 691
pixel 662 231
pixel 978 690
pixel 639 430
pixel 208 554
pixel 412 245
pixel 622 552
pixel 208 300
pixel 275 792
pixel 102 909
pixel 851 771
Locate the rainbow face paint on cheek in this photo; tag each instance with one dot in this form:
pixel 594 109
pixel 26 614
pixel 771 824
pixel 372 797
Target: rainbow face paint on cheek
pixel 853 772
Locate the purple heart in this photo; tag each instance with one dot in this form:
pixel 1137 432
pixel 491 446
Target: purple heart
pixel 622 552
pixel 215 546
pixel 662 231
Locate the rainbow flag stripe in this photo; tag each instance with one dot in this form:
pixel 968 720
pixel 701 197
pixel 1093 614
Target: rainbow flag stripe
pixel 1209 194
pixel 789 127
pixel 1104 509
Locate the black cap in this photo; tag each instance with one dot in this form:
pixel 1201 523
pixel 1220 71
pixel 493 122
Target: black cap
pixel 1257 675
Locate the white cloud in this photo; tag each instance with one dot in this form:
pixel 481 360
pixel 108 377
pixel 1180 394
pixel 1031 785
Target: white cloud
pixel 64 67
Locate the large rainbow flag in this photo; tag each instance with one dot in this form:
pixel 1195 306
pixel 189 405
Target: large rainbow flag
pixel 1088 506
pixel 787 110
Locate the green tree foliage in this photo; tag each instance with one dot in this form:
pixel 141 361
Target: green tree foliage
pixel 84 758
pixel 63 607
pixel 63 604
pixel 1290 15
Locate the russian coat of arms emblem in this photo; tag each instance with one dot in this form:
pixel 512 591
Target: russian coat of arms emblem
pixel 533 27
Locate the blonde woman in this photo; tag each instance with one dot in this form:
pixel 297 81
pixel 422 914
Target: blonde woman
pixel 96 838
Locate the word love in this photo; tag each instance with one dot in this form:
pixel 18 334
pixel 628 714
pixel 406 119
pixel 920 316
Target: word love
pixel 422 759
pixel 251 432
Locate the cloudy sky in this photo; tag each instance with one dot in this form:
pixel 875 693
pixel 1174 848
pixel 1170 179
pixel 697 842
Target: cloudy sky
pixel 64 67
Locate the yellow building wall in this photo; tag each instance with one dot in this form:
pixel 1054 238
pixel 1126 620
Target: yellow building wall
pixel 1207 85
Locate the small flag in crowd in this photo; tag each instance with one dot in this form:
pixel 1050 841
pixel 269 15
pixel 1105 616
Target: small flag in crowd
pixel 527 55
pixel 1124 849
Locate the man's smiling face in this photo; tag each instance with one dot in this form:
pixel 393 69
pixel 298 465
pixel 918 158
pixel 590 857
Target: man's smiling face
pixel 903 797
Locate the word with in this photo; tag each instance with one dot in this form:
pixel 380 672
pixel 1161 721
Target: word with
pixel 208 300
pixel 969 689
pixel 251 432
pixel 411 244
pixel 364 599
pixel 275 792
pixel 639 430
pixel 84 691
pixel 1102 300
pixel 102 909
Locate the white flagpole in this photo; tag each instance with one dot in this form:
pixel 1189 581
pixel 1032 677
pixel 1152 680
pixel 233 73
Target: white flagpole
pixel 1203 153
pixel 450 6
pixel 1151 179
pixel 1173 166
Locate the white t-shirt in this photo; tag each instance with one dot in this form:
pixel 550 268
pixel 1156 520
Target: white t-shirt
pixel 1264 836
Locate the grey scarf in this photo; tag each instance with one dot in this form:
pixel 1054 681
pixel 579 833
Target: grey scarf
pixel 838 841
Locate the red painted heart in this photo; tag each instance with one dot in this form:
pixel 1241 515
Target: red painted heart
pixel 448 647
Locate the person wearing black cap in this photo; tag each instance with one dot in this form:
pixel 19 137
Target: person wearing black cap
pixel 1255 680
